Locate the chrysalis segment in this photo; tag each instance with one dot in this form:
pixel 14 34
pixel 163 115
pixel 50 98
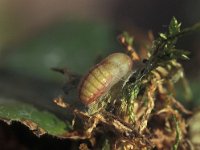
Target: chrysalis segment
pixel 103 76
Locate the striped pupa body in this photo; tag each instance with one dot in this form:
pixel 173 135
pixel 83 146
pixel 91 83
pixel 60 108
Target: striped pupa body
pixel 103 76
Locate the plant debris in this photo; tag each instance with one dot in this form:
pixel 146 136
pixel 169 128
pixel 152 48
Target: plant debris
pixel 144 113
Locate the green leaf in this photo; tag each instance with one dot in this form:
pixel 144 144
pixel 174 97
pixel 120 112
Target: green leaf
pixel 162 35
pixel 129 39
pixel 40 122
pixel 173 53
pixel 179 54
pixel 174 26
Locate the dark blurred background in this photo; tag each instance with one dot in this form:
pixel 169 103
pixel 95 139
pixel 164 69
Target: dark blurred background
pixel 36 35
